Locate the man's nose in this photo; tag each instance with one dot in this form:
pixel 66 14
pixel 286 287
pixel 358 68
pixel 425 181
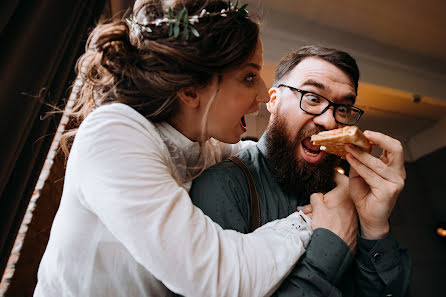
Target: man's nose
pixel 326 119
pixel 262 93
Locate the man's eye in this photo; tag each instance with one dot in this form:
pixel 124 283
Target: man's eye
pixel 344 110
pixel 312 98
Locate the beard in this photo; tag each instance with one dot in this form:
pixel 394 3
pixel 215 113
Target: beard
pixel 294 174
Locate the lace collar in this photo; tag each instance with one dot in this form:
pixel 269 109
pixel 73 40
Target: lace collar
pixel 184 152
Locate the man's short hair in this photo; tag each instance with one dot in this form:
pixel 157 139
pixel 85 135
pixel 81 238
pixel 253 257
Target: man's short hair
pixel 340 59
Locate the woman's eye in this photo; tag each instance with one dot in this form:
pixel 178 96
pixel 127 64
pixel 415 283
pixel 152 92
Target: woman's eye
pixel 250 77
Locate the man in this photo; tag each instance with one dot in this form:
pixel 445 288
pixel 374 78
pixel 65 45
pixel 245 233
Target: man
pixel 314 90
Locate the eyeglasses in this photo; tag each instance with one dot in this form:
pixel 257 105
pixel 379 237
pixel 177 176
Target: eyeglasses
pixel 315 104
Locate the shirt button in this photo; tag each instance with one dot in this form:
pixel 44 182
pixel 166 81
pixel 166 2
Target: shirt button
pixel 377 256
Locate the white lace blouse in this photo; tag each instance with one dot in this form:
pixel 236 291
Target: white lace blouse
pixel 126 225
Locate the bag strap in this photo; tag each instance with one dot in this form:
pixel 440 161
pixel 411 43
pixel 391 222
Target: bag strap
pixel 253 197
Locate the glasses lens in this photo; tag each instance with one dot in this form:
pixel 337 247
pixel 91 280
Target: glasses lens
pixel 313 103
pixel 347 114
pixel 316 105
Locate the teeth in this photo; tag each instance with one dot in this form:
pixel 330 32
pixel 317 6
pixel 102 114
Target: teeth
pixel 310 153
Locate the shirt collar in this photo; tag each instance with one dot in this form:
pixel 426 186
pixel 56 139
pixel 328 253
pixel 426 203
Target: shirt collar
pixel 262 145
pixel 184 152
pixel 178 144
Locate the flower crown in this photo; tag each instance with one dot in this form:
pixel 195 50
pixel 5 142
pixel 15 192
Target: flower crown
pixel 182 21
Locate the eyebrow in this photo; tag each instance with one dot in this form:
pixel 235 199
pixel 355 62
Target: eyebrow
pixel 310 82
pixel 254 65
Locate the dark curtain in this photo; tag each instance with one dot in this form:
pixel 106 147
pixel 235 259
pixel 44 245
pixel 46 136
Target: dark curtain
pixel 40 41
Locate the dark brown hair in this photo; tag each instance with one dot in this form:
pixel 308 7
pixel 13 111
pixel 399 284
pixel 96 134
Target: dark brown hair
pixel 145 70
pixel 340 59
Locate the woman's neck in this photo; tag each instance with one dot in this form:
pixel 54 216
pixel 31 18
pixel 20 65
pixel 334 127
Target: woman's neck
pixel 188 125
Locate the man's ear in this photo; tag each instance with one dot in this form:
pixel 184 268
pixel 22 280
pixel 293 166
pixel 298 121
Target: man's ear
pixel 273 103
pixel 189 97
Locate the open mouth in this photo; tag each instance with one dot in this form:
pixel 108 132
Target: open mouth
pixel 310 148
pixel 243 121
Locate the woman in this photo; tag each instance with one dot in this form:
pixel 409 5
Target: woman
pixel 158 104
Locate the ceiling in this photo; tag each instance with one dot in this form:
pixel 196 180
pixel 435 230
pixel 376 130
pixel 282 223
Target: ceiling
pixel 412 25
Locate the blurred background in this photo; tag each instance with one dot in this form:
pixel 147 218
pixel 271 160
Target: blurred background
pixel 400 47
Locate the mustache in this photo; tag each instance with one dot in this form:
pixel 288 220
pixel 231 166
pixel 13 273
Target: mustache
pixel 307 132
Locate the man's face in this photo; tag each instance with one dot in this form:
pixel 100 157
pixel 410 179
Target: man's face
pixel 291 128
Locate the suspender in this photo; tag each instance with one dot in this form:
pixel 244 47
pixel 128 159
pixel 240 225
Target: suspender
pixel 253 198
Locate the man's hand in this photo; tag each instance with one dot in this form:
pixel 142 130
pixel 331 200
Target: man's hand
pixel 335 211
pixel 376 183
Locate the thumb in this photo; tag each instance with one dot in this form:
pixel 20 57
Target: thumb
pixel 352 173
pixel 340 179
pixel 317 201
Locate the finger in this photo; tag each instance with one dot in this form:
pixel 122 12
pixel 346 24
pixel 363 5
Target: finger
pixel 352 172
pixel 307 209
pixel 376 165
pixel 371 177
pixel 359 191
pixel 340 179
pixel 317 201
pixel 376 182
pixel 387 143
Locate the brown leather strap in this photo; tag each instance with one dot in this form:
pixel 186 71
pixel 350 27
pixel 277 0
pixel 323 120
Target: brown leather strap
pixel 253 198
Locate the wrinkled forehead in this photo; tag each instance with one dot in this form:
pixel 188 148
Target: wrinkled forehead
pixel 317 67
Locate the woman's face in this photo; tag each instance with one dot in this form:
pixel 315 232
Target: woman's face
pixel 241 91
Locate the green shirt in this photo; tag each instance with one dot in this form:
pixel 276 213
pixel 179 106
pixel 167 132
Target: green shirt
pixel 328 267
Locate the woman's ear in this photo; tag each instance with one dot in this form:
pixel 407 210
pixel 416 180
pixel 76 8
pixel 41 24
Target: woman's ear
pixel 273 103
pixel 189 97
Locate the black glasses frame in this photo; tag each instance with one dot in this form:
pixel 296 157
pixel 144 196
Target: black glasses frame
pixel 330 103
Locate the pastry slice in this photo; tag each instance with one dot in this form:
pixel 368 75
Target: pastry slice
pixel 332 141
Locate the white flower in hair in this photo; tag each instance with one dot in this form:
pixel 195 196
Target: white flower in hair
pixel 193 19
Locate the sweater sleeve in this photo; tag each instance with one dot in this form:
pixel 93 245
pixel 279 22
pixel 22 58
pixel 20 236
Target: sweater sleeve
pixel 124 177
pixel 382 267
pixel 327 259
